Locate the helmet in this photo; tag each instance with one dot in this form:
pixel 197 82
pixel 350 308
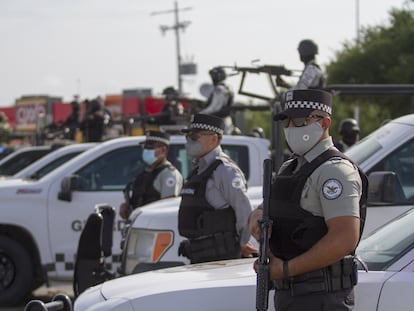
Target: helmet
pixel 217 74
pixel 307 48
pixel 170 93
pixel 348 126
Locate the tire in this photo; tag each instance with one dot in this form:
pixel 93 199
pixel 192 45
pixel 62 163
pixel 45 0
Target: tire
pixel 16 272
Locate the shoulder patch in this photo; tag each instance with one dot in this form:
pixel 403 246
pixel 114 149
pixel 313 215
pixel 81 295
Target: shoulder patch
pixel 332 189
pixel 170 182
pixel 237 182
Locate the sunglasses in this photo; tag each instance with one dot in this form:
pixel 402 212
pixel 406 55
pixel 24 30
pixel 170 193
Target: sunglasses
pixel 197 135
pixel 301 121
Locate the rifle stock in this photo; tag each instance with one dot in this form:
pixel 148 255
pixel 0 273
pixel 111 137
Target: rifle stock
pixel 262 281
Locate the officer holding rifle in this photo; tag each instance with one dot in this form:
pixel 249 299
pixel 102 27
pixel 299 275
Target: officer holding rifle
pixel 317 208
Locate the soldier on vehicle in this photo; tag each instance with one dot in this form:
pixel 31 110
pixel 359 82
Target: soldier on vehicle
pixel 312 76
pixel 159 180
pixel 317 205
pixel 349 131
pixel 214 206
pixel 220 100
pixel 172 108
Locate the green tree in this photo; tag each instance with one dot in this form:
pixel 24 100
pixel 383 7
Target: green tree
pixel 383 55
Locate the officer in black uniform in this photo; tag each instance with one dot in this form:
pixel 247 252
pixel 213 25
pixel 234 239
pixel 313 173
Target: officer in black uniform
pixel 312 76
pixel 317 205
pixel 214 206
pixel 349 130
pixel 220 100
pixel 159 180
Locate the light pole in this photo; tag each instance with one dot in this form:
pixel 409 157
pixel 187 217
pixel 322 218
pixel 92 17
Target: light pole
pixel 176 27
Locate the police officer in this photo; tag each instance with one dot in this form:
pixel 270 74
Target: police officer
pixel 220 100
pixel 317 206
pixel 214 206
pixel 349 130
pixel 159 180
pixel 312 76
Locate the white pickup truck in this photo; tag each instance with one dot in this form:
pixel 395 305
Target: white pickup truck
pixel 153 237
pixel 41 220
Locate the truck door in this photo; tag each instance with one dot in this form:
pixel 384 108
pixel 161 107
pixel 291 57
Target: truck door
pixel 101 180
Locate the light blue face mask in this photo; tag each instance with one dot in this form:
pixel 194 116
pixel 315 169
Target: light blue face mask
pixel 148 156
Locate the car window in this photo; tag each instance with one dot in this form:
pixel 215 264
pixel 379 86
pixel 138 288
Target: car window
pixel 401 161
pixel 114 170
pixel 52 165
pixel 20 161
pixel 387 244
pixel 177 155
pixel 111 171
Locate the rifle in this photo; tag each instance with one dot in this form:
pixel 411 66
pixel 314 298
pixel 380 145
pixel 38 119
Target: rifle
pixel 274 70
pixel 262 280
pixel 127 196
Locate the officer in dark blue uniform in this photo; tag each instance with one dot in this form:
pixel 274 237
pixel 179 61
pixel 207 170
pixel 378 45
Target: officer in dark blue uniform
pixel 317 206
pixel 214 206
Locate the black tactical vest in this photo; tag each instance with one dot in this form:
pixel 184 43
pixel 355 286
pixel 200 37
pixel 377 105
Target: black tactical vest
pixel 226 109
pixel 196 217
pixel 295 230
pixel 143 188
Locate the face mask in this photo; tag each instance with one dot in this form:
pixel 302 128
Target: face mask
pixel 148 156
pixel 194 148
pixel 302 139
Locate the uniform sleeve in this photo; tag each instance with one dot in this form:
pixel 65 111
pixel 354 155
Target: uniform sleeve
pixel 339 187
pixel 234 190
pixel 309 77
pixel 168 183
pixel 219 100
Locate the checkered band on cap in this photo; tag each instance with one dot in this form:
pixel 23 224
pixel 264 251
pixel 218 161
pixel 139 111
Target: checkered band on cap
pixel 153 136
pixel 205 122
pixel 205 127
pixel 299 104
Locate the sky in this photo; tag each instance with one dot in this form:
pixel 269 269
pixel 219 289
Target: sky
pixel 102 47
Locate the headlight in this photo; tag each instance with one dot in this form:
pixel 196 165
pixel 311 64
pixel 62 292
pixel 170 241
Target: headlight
pixel 145 246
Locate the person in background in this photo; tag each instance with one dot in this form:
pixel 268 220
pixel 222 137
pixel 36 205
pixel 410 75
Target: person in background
pixel 214 205
pixel 349 131
pixel 159 180
pixel 312 76
pixel 220 100
pixel 92 125
pixel 172 108
pixel 72 123
pixel 317 205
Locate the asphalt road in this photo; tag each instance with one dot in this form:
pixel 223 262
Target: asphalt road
pixel 45 294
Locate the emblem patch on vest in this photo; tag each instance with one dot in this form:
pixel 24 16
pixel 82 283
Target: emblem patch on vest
pixel 332 188
pixel 170 182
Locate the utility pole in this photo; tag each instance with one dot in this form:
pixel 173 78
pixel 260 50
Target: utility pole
pixel 176 27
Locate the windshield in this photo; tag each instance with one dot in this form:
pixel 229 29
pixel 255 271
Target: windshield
pixel 387 244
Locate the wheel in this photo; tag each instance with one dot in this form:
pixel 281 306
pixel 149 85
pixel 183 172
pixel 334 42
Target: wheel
pixel 16 272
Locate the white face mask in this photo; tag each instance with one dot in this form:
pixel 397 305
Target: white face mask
pixel 304 138
pixel 193 148
pixel 148 156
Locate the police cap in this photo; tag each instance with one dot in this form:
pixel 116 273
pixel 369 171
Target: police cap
pixel 301 103
pixel 205 122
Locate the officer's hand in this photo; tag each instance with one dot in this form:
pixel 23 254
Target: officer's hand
pixel 253 222
pixel 275 267
pixel 123 211
pixel 247 250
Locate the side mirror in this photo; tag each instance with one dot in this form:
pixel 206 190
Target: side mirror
pixel 384 188
pixel 68 184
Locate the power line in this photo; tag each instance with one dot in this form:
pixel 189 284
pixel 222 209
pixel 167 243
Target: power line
pixel 176 27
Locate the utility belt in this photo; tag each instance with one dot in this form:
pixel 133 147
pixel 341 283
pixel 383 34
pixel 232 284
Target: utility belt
pixel 340 275
pixel 218 246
